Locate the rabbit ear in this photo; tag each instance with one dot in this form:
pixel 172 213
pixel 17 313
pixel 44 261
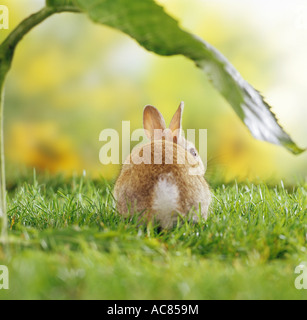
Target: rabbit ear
pixel 175 124
pixel 152 120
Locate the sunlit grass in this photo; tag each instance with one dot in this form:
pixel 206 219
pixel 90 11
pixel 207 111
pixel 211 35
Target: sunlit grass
pixel 66 241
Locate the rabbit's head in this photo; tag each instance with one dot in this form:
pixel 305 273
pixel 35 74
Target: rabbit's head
pixel 155 129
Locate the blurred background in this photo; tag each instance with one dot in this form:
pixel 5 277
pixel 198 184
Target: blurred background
pixel 71 79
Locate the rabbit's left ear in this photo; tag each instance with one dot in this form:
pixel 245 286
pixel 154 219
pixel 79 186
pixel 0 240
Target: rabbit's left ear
pixel 153 122
pixel 176 124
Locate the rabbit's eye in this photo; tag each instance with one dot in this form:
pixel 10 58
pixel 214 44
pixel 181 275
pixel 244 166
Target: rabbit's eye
pixel 193 152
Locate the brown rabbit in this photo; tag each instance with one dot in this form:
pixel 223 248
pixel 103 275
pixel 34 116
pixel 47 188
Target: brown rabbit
pixel 164 177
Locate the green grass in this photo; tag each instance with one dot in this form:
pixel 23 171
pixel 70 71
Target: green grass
pixel 67 242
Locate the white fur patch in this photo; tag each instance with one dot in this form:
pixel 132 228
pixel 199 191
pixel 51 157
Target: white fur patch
pixel 165 201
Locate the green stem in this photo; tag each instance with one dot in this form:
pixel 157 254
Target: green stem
pixel 3 216
pixel 7 49
pixel 29 23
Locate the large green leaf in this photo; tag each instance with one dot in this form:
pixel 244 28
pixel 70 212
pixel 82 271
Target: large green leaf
pixel 147 22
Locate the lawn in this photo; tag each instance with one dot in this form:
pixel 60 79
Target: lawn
pixel 67 242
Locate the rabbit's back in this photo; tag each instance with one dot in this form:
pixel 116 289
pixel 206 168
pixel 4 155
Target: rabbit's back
pixel 162 189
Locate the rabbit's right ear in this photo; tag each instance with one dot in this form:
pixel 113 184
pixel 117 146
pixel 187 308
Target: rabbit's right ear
pixel 153 120
pixel 176 122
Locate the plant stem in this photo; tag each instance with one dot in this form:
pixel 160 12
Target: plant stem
pixel 7 49
pixel 3 215
pixel 29 23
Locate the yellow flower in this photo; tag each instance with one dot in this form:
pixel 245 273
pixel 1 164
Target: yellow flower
pixel 40 145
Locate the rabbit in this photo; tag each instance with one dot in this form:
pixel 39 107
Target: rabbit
pixel 161 191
